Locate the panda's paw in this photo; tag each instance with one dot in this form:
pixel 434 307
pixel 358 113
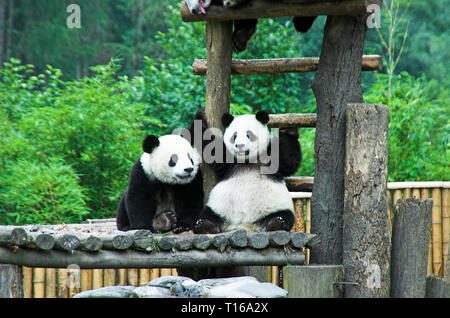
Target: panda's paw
pixel 276 224
pixel 164 221
pixel 239 44
pixel 205 226
pixel 181 229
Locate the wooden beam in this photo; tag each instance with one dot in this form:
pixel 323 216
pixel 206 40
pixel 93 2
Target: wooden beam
pixel 290 120
pixel 137 259
pixel 282 65
pixel 275 9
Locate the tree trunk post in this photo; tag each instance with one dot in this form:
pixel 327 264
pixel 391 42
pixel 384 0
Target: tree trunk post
pixel 410 238
pixel 337 83
pixel 11 281
pixel 366 236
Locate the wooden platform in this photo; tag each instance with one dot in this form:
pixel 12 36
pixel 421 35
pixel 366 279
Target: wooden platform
pixel 100 245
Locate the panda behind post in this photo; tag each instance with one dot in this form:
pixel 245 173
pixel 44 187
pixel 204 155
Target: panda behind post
pixel 165 191
pixel 245 197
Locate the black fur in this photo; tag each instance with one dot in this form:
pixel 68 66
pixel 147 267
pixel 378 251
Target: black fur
pixel 150 143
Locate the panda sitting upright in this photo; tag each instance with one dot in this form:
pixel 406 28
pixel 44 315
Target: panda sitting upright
pixel 244 196
pixel 165 190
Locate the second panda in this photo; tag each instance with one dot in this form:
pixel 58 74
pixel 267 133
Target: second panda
pixel 245 197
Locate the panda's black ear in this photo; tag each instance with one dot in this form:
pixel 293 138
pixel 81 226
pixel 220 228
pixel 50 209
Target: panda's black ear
pixel 227 118
pixel 263 117
pixel 150 143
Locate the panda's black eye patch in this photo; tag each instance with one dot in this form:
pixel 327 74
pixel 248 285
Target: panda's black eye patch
pixel 173 160
pixel 233 138
pixel 251 135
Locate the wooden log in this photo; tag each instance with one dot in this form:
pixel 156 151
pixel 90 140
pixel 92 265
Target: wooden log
pixel 436 232
pixel 220 241
pixel 11 281
pixel 218 84
pixel 313 281
pixel 90 243
pixel 66 242
pixel 292 120
pixel 166 243
pixel 109 275
pixel 282 65
pixel 299 184
pixel 437 287
pixel 300 239
pixel 410 237
pixel 40 241
pixel 136 259
pixel 418 184
pixel 258 240
pixel 279 238
pixel 142 240
pixel 117 240
pixel 366 236
pixel 184 242
pixel 275 9
pixel 342 49
pixel 237 238
pixel 202 241
pixel 122 277
pixel 12 236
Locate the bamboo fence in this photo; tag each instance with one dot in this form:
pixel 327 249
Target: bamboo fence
pixel 63 283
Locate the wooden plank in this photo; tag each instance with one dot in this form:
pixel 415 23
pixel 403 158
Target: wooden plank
pixel 445 225
pixel 366 236
pixel 410 237
pixel 275 9
pixel 313 281
pixel 420 185
pixel 425 194
pixel 436 232
pixel 282 65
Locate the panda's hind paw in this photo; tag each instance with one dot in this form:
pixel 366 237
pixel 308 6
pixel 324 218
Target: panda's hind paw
pixel 277 224
pixel 164 221
pixel 205 226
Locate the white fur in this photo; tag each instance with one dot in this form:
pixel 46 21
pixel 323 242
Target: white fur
pixel 194 5
pixel 248 196
pixel 156 164
pixel 241 124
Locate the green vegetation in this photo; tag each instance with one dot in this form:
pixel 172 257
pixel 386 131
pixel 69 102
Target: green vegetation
pixel 70 132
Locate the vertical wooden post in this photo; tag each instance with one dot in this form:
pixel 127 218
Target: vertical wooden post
pixel 11 281
pixel 337 83
pixel 366 236
pixel 436 232
pixel 410 238
pixel 218 82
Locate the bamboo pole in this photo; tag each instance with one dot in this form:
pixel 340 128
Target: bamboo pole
pixel 389 210
pixel 62 283
pixel 144 276
pixel 174 272
pixel 308 226
pixel 97 278
pixel 299 225
pixel 109 277
pixel 133 277
pixel 436 231
pixel 425 194
pixel 397 195
pixel 166 271
pixel 445 224
pixel 406 193
pixel 86 279
pixel 74 281
pixel 122 277
pixel 27 282
pixel 39 282
pixel 415 193
pixel 50 283
pixel 154 273
pixel 275 275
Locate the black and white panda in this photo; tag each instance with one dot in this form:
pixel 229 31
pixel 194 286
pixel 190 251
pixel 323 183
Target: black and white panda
pixel 165 189
pixel 246 28
pixel 245 196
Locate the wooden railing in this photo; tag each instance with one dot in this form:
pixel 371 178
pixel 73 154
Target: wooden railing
pixel 63 282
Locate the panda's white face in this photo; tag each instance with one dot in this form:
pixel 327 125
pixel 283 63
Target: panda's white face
pixel 246 138
pixel 197 6
pixel 174 161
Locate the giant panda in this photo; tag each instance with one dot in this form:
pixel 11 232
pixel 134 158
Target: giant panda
pixel 165 189
pixel 246 28
pixel 244 197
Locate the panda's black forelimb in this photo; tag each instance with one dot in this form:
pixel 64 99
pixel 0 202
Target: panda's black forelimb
pixel 243 32
pixel 208 222
pixel 277 221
